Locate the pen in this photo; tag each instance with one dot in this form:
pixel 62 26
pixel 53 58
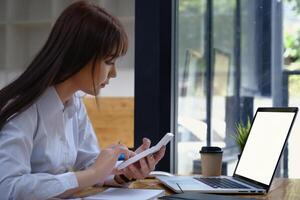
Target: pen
pixel 122 155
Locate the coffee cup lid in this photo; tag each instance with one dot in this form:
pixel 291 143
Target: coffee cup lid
pixel 207 149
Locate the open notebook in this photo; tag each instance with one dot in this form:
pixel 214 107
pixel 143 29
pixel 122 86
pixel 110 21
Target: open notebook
pixel 124 193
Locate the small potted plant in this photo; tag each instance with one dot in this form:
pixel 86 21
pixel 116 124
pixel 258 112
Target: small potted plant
pixel 241 134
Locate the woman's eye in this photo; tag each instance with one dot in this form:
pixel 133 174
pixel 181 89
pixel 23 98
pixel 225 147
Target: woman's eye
pixel 110 62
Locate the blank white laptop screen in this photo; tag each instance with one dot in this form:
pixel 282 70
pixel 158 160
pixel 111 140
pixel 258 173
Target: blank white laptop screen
pixel 264 145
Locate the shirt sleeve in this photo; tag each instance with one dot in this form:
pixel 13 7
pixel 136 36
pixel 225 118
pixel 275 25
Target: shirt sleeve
pixel 88 147
pixel 16 179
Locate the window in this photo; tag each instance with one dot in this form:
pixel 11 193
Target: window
pixel 229 64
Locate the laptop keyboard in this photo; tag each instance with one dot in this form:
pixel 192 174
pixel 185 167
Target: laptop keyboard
pixel 221 183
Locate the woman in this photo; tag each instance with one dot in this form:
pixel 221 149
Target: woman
pixel 47 145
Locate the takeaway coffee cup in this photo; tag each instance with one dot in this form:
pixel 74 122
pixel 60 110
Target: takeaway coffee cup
pixel 211 161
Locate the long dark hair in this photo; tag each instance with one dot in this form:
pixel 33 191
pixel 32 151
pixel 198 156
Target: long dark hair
pixel 83 32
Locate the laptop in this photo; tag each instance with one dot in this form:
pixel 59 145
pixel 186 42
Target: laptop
pixel 255 170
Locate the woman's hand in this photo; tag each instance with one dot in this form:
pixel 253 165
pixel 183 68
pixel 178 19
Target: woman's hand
pixel 106 161
pixel 98 172
pixel 141 169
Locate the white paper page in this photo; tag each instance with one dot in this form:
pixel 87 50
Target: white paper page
pixel 123 193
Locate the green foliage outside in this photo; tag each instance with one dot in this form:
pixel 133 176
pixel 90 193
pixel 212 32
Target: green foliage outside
pixel 292 40
pixel 292 52
pixel 291 47
pixel 296 4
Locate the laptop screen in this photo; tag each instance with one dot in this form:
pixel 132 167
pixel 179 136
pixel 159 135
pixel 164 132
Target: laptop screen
pixel 264 145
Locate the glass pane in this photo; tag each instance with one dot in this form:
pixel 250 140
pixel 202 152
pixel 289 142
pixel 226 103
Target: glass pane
pixel 191 83
pixel 223 77
pixel 291 38
pixel 223 55
pixel 293 145
pixel 233 101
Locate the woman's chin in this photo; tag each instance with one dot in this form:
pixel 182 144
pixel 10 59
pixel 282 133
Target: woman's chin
pixel 92 92
pixel 97 92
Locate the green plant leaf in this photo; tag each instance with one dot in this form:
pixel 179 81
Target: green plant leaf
pixel 242 133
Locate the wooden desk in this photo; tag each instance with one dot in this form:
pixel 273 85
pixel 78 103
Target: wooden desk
pixel 281 189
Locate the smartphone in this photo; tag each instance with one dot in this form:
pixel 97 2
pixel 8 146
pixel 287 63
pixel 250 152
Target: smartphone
pixel 163 142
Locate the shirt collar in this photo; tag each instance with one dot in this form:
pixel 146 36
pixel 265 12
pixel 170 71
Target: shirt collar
pixel 51 102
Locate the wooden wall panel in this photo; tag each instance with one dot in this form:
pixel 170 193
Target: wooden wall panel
pixel 113 120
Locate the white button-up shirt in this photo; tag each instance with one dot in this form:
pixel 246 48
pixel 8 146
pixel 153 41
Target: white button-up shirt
pixel 40 146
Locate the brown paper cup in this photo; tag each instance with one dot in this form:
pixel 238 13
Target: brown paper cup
pixel 211 161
